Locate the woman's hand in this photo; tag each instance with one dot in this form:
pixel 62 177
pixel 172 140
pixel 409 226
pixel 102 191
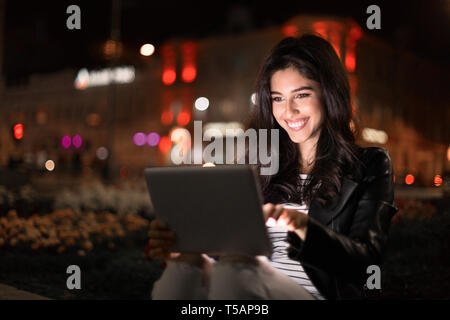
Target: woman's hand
pixel 278 216
pixel 161 243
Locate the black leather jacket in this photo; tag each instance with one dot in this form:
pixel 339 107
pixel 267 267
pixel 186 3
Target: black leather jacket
pixel 350 234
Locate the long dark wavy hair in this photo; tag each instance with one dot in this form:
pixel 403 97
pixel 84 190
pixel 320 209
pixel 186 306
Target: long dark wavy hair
pixel 336 151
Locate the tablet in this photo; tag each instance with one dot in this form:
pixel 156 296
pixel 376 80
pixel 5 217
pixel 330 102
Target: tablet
pixel 213 210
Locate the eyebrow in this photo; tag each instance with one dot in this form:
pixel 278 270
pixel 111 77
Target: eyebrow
pixel 295 90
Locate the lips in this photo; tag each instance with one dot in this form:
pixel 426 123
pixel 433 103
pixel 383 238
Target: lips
pixel 297 124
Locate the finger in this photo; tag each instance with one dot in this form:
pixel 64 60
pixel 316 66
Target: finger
pixel 284 220
pixel 280 218
pixel 272 215
pixel 271 222
pixel 276 213
pixel 267 209
pixel 291 219
pixel 158 224
pixel 157 234
pixel 271 209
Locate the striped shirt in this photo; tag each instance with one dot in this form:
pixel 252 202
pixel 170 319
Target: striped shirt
pixel 280 259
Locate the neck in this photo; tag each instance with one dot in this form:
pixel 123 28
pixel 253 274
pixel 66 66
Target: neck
pixel 307 159
pixel 304 170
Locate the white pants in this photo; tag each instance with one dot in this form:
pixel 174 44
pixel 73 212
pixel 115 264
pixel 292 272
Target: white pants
pixel 226 281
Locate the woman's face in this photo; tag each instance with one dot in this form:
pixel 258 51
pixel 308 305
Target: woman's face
pixel 296 105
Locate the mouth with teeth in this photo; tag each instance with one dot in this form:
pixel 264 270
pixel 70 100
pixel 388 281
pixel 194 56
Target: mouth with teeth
pixel 297 125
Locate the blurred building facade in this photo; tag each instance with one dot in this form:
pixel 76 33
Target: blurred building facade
pixel 401 115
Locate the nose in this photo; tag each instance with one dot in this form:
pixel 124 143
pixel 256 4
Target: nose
pixel 291 109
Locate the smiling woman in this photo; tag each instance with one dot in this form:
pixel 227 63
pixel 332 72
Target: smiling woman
pixel 296 106
pixel 328 208
pixel 303 90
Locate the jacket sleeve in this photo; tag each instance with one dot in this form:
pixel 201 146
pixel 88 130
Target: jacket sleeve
pixel 348 256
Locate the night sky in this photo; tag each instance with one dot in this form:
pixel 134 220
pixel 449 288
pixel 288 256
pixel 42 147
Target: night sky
pixel 37 40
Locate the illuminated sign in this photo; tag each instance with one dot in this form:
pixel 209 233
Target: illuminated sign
pixel 86 79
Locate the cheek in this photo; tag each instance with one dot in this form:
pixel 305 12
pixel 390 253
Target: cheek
pixel 276 112
pixel 318 108
pixel 316 111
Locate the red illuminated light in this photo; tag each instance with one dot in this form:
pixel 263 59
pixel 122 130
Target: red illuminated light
pixel 169 76
pixel 350 61
pixel 167 117
pixel 290 31
pixel 183 118
pixel 353 36
pixel 409 179
pixel 188 58
pixel 165 144
pixel 437 180
pixel 168 54
pixel 320 28
pixel 188 74
pixel 18 131
pixel 355 33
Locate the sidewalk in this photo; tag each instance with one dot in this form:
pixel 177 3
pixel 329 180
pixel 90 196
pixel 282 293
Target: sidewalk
pixel 11 293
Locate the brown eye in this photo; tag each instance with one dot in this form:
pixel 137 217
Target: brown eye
pixel 303 95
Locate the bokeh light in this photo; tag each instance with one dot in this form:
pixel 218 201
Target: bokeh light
pixel 188 74
pixel 93 119
pixel 183 118
pixel 409 179
pixel 50 165
pixel 165 144
pixel 290 31
pixel 147 49
pixel 102 153
pixel 66 141
pixel 140 139
pixel 182 138
pixel 169 76
pixel 201 103
pixel 18 131
pixel 253 98
pixel 167 117
pixel 437 180
pixel 82 79
pixel 153 139
pixel 77 141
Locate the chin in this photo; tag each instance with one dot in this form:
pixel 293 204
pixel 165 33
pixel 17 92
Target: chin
pixel 296 139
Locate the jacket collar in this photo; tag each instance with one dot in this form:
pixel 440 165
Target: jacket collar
pixel 323 214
